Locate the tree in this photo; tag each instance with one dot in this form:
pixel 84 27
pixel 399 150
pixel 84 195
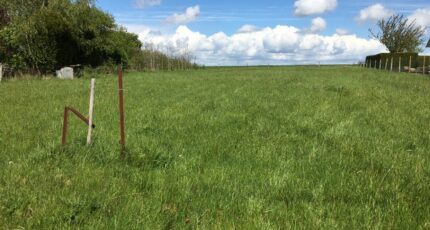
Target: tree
pixel 44 35
pixel 399 34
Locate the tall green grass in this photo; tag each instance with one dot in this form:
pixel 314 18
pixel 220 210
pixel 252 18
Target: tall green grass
pixel 220 148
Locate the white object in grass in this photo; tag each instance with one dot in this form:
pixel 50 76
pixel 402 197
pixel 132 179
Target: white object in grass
pixel 91 110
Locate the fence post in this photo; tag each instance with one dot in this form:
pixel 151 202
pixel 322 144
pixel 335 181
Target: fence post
pixel 1 71
pixel 386 64
pixel 391 69
pixel 380 63
pixel 375 64
pixel 121 111
pixel 424 65
pixel 410 63
pixel 65 124
pixel 91 110
pixel 400 64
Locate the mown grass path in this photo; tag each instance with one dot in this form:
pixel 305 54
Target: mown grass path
pixel 221 148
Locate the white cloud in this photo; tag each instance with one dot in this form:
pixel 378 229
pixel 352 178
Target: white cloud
pixel 248 29
pixel 313 7
pixel 146 3
pixel 318 25
pixel 421 17
pixel 136 28
pixel 341 31
pixel 190 15
pixel 279 45
pixel 374 13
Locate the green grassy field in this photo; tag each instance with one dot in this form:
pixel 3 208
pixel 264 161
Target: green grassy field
pixel 221 148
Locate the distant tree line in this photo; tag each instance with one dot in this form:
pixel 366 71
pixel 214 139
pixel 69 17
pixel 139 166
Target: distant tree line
pixel 151 59
pixel 40 36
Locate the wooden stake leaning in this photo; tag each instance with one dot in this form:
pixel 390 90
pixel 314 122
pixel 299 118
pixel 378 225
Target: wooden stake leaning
pixel 91 110
pixel 65 123
pixel 88 121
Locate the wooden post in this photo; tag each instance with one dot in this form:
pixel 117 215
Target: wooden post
pixel 391 69
pixel 410 63
pixel 91 110
pixel 380 63
pixel 121 111
pixel 375 64
pixel 65 125
pixel 386 64
pixel 424 65
pixel 1 71
pixel 400 64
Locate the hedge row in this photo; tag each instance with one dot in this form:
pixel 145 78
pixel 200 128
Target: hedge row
pixel 383 60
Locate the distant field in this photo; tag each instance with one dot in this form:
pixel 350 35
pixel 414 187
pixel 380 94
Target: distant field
pixel 221 148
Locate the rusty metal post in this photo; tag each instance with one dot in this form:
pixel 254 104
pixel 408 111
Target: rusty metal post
pixel 121 111
pixel 65 124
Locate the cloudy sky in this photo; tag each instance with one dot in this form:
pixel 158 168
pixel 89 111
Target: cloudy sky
pixel 241 32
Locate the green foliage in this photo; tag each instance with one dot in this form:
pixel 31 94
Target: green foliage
pixel 400 35
pixel 152 60
pixel 46 35
pixel 220 148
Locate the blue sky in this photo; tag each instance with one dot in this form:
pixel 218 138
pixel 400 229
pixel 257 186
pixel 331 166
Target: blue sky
pixel 335 25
